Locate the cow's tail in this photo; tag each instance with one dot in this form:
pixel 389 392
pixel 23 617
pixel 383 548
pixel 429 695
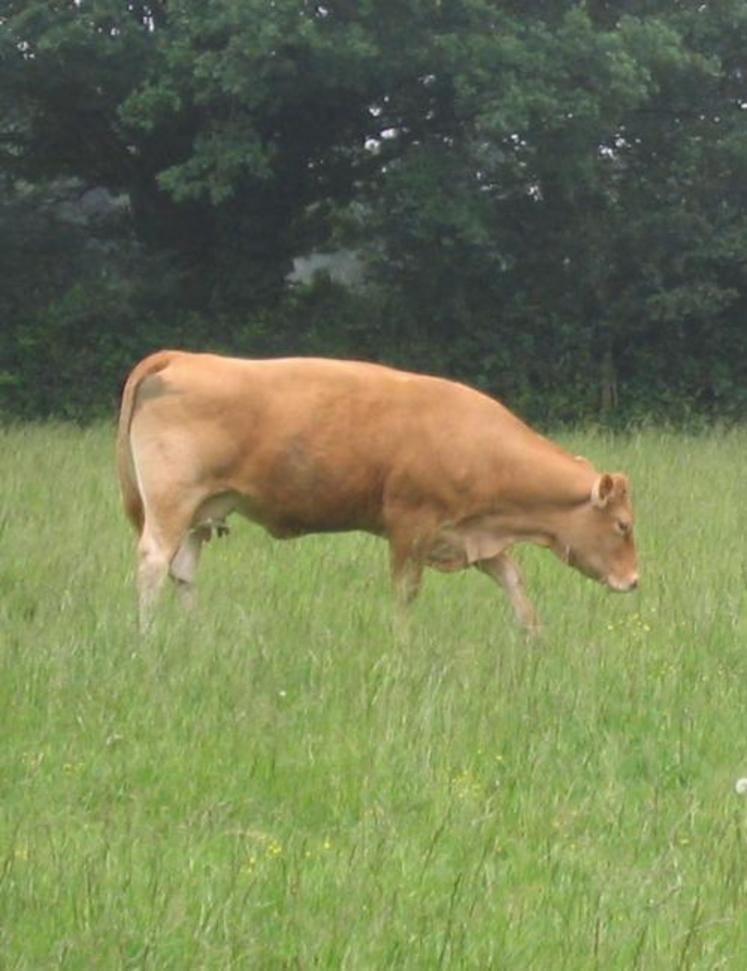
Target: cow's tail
pixel 128 484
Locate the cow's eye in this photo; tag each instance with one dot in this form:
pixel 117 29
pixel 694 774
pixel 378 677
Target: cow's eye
pixel 623 527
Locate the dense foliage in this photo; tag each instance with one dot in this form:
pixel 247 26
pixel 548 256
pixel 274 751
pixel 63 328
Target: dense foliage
pixel 548 199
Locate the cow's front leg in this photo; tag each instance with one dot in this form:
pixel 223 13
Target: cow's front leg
pixel 503 570
pixel 407 574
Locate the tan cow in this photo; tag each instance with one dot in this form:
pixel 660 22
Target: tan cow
pixel 446 474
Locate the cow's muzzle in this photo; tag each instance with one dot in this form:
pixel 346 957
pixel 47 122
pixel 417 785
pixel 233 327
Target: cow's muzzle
pixel 623 586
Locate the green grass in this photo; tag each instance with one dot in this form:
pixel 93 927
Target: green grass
pixel 277 783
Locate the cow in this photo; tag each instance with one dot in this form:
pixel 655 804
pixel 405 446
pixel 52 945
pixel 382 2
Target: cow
pixel 446 474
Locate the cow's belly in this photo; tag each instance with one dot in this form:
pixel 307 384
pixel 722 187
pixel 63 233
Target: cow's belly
pixel 294 490
pixel 285 518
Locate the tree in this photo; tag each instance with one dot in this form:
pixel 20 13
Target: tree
pixel 549 195
pixel 587 222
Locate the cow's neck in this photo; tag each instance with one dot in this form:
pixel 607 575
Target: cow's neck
pixel 536 500
pixel 544 479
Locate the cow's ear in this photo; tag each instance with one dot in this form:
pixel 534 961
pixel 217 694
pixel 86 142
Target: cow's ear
pixel 622 487
pixel 602 490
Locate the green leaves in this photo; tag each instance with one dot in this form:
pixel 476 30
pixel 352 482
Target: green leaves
pixel 220 162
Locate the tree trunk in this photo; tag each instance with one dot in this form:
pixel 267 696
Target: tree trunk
pixel 609 383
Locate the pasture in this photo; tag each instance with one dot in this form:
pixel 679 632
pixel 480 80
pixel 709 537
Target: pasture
pixel 276 782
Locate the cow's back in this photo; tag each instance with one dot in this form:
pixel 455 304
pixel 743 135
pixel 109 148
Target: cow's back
pixel 306 444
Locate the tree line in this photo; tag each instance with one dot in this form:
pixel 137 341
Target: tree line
pixel 546 197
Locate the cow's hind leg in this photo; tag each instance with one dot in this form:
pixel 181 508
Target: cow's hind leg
pixel 152 569
pixel 504 571
pixel 165 539
pixel 183 566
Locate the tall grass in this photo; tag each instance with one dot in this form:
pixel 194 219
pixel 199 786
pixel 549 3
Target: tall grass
pixel 277 783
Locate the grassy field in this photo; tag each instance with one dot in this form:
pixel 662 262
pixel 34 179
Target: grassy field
pixel 277 783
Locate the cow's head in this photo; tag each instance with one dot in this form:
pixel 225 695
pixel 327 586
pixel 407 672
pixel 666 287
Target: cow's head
pixel 597 538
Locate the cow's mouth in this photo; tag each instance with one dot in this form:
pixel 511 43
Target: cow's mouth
pixel 616 584
pixel 622 586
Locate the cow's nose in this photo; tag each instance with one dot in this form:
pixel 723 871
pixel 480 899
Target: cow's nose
pixel 632 583
pixel 624 586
